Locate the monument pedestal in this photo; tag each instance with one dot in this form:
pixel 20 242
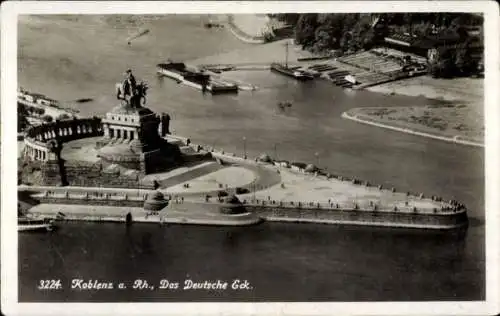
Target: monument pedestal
pixel 132 140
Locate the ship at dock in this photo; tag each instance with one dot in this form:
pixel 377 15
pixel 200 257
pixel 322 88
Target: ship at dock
pixel 195 78
pixel 27 222
pixel 291 71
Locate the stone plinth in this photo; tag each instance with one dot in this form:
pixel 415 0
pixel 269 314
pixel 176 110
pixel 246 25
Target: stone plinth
pixel 132 139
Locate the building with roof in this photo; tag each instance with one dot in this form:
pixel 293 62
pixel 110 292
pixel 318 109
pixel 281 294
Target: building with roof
pixel 423 46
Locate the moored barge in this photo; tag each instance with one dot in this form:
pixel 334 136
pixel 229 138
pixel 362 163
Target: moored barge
pixel 293 72
pixel 25 224
pixel 194 78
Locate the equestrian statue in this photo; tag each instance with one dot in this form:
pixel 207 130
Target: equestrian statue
pixel 130 92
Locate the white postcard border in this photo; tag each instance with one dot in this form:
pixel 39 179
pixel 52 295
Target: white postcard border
pixel 9 262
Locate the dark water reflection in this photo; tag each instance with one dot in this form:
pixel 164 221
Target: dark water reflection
pixel 283 262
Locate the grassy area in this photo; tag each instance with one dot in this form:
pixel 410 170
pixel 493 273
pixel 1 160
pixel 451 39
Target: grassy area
pixel 444 119
pixel 466 90
pixel 460 112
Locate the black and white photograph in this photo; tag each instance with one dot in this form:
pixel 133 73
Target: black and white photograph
pixel 254 152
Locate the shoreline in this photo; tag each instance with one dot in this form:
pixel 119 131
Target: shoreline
pixel 464 90
pixel 241 34
pixel 255 214
pixel 76 206
pixel 457 139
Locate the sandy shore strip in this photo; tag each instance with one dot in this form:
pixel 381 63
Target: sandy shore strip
pixel 469 90
pixel 399 126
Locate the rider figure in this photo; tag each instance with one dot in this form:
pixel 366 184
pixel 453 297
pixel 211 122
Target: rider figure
pixel 129 84
pixel 131 92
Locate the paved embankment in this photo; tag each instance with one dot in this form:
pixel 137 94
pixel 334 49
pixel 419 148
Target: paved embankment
pixel 122 208
pixel 282 194
pixel 175 213
pixel 370 121
pixel 383 218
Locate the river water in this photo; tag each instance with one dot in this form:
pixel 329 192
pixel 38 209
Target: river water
pixel 70 58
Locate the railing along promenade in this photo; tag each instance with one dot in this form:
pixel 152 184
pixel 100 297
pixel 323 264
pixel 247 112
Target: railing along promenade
pixel 103 196
pixel 447 207
pixel 39 140
pixel 138 196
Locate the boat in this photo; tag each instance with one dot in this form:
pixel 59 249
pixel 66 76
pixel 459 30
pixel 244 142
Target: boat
pixel 195 78
pixel 291 72
pixel 294 72
pixel 351 79
pixel 25 223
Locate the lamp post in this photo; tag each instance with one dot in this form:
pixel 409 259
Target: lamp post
pixel 245 147
pixel 316 154
pixel 275 151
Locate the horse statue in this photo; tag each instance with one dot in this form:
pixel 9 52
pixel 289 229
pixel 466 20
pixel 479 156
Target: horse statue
pixel 133 96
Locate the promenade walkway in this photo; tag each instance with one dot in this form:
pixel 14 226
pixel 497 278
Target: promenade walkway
pixel 175 213
pixel 267 184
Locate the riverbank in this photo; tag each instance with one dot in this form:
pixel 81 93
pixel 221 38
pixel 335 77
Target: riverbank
pixel 79 205
pixel 398 119
pixel 247 28
pixel 464 90
pixel 295 195
pixel 457 114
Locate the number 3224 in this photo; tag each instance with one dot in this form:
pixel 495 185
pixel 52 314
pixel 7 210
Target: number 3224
pixel 49 285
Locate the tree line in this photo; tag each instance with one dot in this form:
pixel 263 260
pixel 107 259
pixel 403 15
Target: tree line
pixel 345 33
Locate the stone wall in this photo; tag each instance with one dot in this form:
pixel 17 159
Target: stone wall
pixel 90 201
pixel 38 138
pixel 363 217
pixel 80 173
pixel 77 173
pixel 66 130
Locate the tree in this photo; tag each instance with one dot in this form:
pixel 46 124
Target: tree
pixel 442 63
pixel 362 35
pixel 306 28
pixel 289 18
pixel 464 63
pixel 329 33
pixel 422 29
